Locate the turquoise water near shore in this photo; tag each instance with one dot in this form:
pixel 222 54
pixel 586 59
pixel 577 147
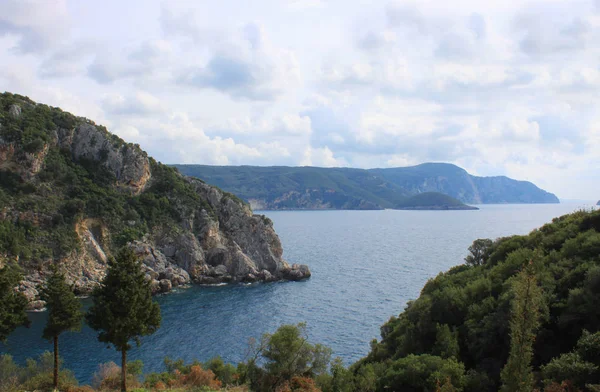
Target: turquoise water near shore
pixel 366 265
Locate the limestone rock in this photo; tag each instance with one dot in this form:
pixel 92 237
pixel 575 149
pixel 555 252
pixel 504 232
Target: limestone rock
pixel 129 164
pixel 14 110
pixel 158 267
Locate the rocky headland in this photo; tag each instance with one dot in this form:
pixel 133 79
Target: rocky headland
pixel 71 193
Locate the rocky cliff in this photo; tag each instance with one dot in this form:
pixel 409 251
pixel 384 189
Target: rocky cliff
pixel 71 193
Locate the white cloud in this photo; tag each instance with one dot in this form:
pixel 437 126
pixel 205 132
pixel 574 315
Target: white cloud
pixel 37 24
pixel 242 63
pixel 138 104
pixel 321 157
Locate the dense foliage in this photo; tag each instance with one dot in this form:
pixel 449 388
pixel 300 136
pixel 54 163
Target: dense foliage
pixel 282 187
pixel 464 319
pixel 432 200
pixel 12 303
pixel 45 208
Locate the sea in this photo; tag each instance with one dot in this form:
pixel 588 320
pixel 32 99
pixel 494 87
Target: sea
pixel 365 266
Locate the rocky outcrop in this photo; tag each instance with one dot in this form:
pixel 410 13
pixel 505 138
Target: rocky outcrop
pixel 128 163
pixel 14 110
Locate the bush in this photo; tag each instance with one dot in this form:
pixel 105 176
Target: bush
pixel 225 372
pixel 108 377
pixel 35 375
pixel 198 377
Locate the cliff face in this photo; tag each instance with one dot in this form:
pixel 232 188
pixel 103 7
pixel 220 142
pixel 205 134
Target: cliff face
pixel 71 193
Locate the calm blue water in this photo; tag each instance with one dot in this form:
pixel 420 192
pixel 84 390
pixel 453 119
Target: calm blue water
pixel 366 265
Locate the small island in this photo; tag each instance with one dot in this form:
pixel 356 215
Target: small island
pixel 433 201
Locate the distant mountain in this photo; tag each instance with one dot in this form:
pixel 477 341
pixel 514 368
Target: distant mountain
pixel 282 187
pixel 456 182
pixel 598 204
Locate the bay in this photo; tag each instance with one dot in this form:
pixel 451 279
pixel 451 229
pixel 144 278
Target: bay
pixel 366 265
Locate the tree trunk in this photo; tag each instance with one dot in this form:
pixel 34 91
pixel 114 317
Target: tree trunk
pixel 124 371
pixel 56 362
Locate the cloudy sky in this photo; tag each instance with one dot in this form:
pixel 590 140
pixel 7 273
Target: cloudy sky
pixel 497 87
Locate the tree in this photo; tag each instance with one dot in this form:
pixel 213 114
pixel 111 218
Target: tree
pixel 123 309
pixel 287 354
pixel 12 303
pixel 423 373
pixel 517 375
pixel 581 368
pixel 480 251
pixel 64 311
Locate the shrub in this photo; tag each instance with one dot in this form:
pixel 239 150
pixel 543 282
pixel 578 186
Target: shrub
pixel 108 377
pixel 198 377
pixel 225 372
pixel 35 375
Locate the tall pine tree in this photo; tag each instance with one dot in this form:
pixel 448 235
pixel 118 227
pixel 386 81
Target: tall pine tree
pixel 517 375
pixel 123 309
pixel 64 311
pixel 12 303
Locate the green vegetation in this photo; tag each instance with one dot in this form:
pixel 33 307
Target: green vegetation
pixel 64 312
pixel 123 309
pixel 432 200
pixel 36 375
pixel 287 357
pixel 12 304
pixel 280 187
pixel 517 375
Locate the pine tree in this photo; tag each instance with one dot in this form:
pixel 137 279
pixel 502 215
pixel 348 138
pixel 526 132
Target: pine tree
pixel 517 375
pixel 12 303
pixel 64 311
pixel 123 309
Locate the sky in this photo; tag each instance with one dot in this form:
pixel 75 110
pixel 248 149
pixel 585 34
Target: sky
pixel 497 87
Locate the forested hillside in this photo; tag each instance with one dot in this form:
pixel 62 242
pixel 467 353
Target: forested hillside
pixel 536 295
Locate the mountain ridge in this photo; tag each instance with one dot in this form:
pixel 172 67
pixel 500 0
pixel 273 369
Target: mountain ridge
pixel 307 187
